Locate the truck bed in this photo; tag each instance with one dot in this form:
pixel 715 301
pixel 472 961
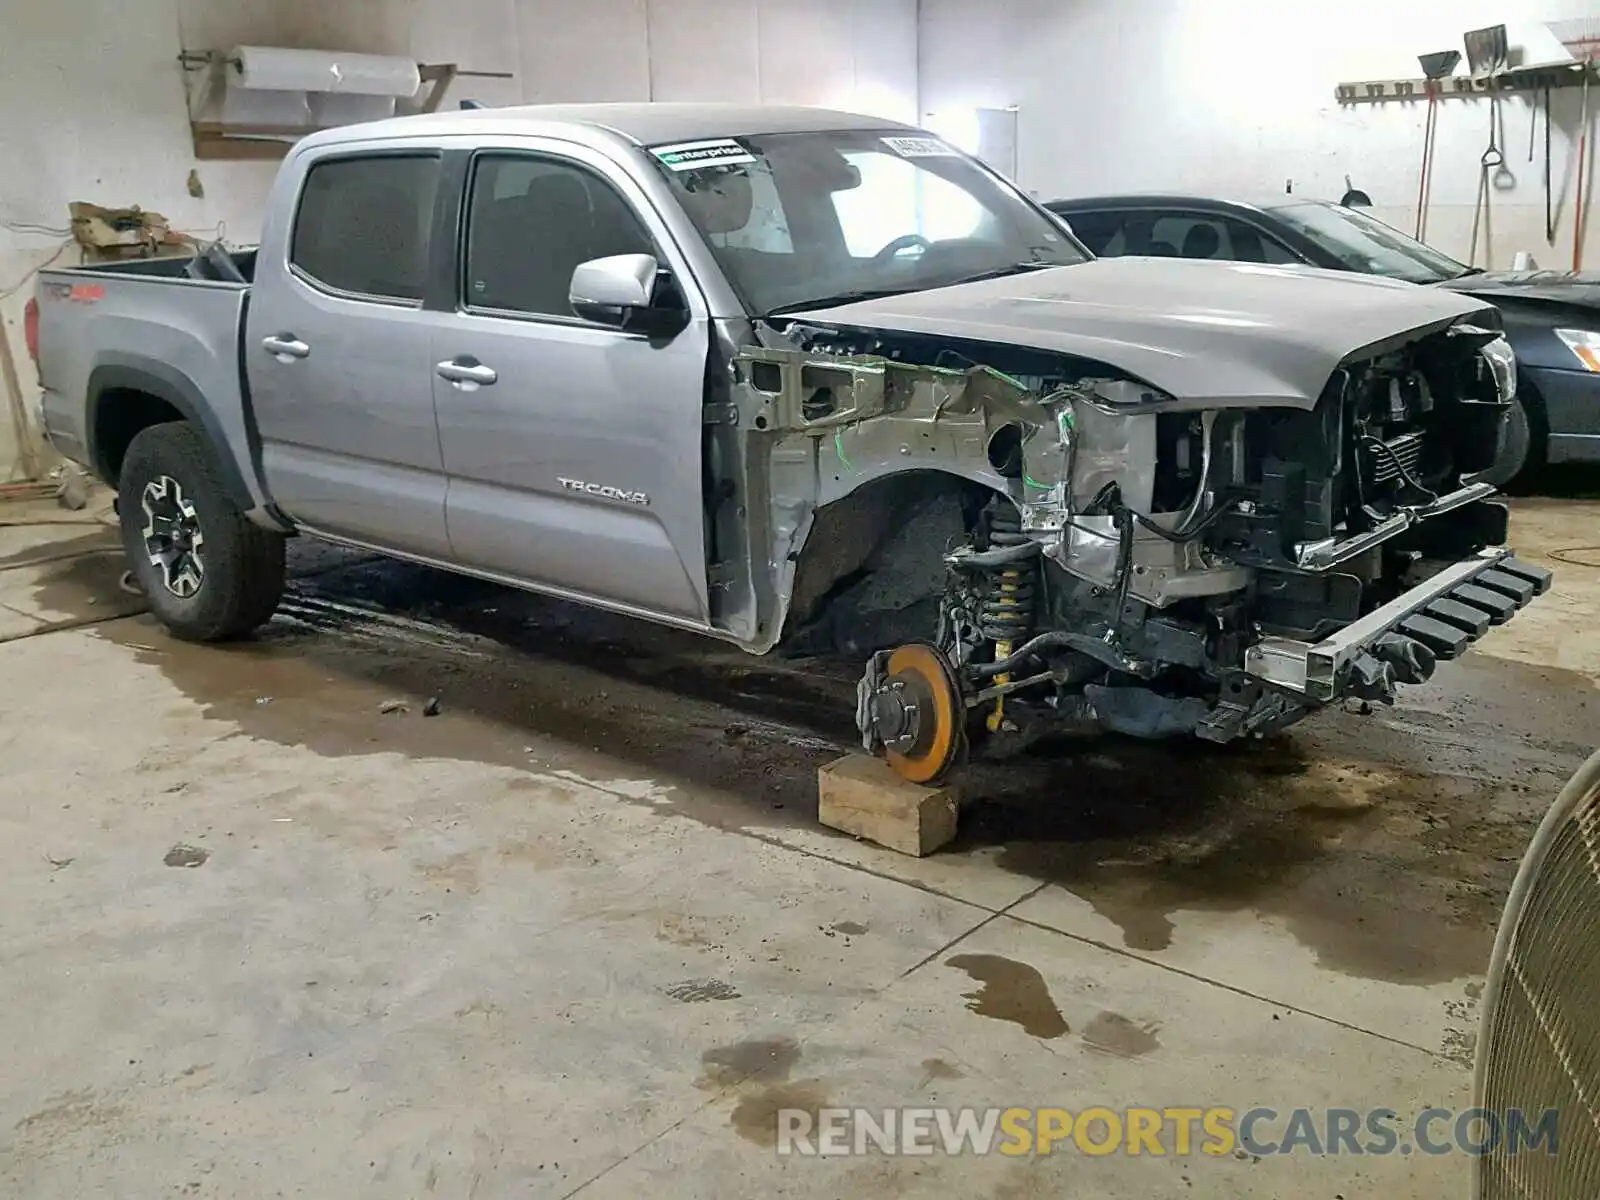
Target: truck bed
pixel 171 267
pixel 111 335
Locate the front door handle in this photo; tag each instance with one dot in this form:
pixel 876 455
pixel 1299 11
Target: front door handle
pixel 285 347
pixel 466 373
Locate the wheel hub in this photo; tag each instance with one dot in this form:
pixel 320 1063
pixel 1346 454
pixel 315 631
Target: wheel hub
pixel 918 714
pixel 897 710
pixel 173 539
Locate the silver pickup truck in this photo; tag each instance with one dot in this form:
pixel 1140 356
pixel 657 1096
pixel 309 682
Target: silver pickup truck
pixel 804 380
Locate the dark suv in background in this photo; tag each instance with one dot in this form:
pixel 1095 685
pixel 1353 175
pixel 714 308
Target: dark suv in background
pixel 1552 318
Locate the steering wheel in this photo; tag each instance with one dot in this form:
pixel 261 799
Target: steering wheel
pixel 904 242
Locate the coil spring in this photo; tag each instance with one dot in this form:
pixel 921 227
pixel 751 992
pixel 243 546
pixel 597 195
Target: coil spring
pixel 1006 611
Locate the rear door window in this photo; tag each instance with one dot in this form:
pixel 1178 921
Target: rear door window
pixel 362 225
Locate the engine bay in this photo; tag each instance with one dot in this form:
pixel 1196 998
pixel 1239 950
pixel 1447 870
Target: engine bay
pixel 1129 561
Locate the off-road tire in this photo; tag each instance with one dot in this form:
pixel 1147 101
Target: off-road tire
pixel 243 572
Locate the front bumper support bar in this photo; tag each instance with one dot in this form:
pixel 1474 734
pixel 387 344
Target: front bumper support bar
pixel 1446 613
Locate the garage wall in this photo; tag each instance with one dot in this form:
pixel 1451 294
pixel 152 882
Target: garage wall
pixel 93 98
pixel 1236 97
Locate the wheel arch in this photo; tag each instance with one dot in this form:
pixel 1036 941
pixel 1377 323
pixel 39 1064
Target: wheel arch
pixel 127 394
pixel 854 533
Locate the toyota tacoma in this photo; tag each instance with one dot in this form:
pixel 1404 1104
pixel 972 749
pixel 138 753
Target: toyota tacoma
pixel 806 382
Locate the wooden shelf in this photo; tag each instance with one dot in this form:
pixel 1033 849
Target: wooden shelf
pixel 216 141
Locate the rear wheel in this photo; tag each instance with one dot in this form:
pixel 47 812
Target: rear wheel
pixel 208 573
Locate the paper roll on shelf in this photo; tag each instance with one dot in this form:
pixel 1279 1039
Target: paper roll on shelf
pixel 273 68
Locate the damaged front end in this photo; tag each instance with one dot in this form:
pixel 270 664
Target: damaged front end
pixel 1139 562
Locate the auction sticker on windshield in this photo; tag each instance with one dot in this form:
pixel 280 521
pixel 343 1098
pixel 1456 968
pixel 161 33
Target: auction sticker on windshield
pixel 692 156
pixel 919 147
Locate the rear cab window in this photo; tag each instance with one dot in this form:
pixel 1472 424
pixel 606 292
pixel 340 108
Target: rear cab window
pixel 362 225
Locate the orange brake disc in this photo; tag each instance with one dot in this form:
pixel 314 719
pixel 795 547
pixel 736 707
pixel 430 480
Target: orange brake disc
pixel 923 719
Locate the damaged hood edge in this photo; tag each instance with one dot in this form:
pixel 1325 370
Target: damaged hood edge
pixel 1208 334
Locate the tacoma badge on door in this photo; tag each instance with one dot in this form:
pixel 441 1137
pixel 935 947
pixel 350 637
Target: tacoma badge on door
pixel 605 492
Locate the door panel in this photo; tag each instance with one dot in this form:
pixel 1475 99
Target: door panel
pixel 600 410
pixel 337 356
pixel 578 467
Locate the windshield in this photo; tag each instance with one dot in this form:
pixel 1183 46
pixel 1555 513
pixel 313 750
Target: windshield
pixel 1365 244
pixel 803 218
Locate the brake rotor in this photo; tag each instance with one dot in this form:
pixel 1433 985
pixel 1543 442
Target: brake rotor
pixel 919 714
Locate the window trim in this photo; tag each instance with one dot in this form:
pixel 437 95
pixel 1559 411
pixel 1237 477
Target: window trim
pixel 469 183
pixel 327 289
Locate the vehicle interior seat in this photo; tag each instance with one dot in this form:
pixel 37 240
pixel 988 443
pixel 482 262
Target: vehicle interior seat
pixel 374 244
pixel 1202 241
pixel 525 247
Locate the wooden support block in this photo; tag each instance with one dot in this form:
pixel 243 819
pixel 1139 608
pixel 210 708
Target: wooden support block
pixel 864 797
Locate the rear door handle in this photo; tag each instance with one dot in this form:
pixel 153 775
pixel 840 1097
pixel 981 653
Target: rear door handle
pixel 285 347
pixel 466 373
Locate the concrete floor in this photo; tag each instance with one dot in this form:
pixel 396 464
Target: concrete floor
pixel 579 933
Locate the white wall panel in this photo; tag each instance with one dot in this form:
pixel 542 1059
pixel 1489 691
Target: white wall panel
pixel 704 50
pixel 583 50
pixel 808 52
pixel 1236 97
pixel 94 99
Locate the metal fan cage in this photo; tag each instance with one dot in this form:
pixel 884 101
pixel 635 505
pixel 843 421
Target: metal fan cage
pixel 1539 1045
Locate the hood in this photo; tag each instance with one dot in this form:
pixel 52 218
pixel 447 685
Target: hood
pixel 1581 288
pixel 1211 334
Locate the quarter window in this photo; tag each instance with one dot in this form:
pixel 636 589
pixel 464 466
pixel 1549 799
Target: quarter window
pixel 531 222
pixel 362 225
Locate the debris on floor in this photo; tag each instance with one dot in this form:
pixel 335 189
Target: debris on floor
pixel 184 855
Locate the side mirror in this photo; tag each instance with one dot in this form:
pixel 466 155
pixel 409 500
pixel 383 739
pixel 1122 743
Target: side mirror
pixel 625 290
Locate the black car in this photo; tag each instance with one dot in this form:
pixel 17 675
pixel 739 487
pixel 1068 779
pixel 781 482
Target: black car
pixel 1552 318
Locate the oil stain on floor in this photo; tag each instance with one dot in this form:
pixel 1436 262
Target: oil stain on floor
pixel 760 1060
pixel 1011 991
pixel 1385 843
pixel 759 1071
pixel 1114 1034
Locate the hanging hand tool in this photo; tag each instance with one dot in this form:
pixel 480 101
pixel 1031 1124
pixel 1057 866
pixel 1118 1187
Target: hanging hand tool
pixel 1353 196
pixel 1549 211
pixel 1491 168
pixel 1430 126
pixel 1583 156
pixel 1502 178
pixel 1435 67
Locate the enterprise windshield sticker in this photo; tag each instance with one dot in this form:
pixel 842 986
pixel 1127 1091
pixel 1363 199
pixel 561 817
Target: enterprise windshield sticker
pixel 692 156
pixel 919 147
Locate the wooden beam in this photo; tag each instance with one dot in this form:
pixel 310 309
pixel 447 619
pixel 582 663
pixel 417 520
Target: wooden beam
pixel 864 797
pixel 440 76
pixel 27 450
